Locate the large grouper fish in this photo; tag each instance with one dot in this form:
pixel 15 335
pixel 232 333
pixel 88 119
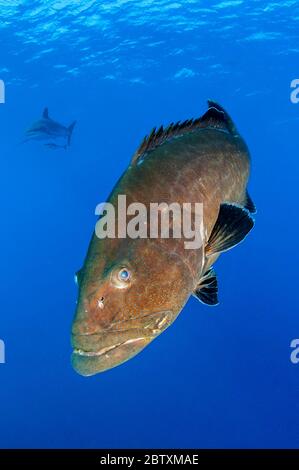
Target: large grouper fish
pixel 132 289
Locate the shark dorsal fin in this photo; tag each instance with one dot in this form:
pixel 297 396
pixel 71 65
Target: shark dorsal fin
pixel 215 117
pixel 46 113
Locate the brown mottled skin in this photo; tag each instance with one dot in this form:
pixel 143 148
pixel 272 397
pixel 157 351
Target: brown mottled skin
pixel 208 165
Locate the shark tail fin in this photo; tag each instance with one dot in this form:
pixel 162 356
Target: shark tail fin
pixel 70 132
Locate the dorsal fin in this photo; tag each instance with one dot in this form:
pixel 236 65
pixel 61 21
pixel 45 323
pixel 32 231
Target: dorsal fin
pixel 227 122
pixel 46 113
pixel 215 117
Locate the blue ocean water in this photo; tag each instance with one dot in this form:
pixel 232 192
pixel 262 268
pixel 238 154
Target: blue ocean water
pixel 218 377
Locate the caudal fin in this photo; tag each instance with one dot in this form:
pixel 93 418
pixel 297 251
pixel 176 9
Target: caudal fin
pixel 70 132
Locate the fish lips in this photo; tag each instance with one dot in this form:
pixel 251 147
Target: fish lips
pixel 98 352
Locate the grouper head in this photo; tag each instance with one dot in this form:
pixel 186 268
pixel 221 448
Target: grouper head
pixel 129 292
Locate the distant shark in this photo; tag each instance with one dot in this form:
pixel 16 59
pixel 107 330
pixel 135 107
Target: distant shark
pixel 47 129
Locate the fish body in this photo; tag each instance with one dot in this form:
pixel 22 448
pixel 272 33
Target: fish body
pixel 46 129
pixel 53 146
pixel 203 161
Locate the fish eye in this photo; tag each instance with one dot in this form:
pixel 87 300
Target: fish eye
pixel 121 278
pixel 124 275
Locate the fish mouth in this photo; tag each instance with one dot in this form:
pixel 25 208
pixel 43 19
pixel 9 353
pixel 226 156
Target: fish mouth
pixel 89 363
pixel 98 352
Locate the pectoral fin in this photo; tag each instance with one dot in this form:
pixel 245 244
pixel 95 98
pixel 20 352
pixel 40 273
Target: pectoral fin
pixel 232 226
pixel 207 289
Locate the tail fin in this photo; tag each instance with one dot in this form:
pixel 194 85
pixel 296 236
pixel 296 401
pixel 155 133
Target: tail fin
pixel 70 131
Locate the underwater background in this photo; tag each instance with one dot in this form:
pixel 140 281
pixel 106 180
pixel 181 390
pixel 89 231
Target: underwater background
pixel 218 377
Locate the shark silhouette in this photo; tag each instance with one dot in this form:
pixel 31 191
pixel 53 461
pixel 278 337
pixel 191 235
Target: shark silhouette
pixel 47 129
